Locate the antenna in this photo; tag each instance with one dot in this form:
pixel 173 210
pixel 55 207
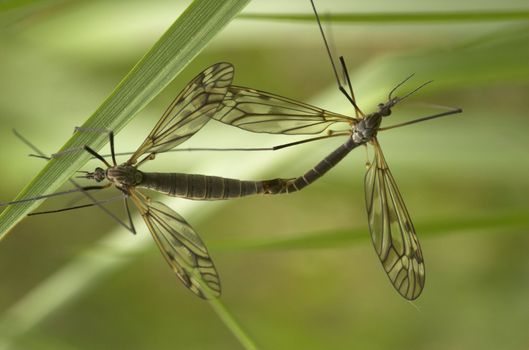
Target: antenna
pixel 417 89
pixel 399 85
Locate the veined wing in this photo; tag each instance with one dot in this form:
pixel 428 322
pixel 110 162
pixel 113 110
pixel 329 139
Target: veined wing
pixel 260 111
pixel 392 231
pixel 181 247
pixel 189 111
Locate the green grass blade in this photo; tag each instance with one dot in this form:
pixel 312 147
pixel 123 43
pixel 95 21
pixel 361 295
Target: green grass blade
pixel 229 321
pixel 398 17
pixel 347 237
pixel 188 35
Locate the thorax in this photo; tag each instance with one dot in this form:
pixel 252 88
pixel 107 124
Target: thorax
pixel 367 128
pixel 124 176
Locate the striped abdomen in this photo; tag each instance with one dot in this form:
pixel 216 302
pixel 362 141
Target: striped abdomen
pixel 204 187
pixel 318 171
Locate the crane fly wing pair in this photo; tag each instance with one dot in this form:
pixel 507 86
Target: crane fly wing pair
pixel 262 112
pixel 189 111
pixel 181 247
pixel 392 231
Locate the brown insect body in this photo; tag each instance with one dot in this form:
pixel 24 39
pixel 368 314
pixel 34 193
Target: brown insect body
pixel 392 232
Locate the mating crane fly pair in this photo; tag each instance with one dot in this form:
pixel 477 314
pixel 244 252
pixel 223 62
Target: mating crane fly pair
pixel 211 95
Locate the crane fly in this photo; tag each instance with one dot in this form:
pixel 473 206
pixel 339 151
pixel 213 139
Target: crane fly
pixel 180 245
pixel 392 231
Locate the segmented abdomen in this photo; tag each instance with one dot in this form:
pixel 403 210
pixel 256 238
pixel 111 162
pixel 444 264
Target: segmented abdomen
pixel 320 169
pixel 201 187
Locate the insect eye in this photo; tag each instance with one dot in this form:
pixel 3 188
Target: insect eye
pixel 99 174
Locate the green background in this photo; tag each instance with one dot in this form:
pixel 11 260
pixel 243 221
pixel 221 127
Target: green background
pixel 298 271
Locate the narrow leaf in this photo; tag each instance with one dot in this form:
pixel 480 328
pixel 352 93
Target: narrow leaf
pixel 347 237
pixel 398 17
pixel 188 35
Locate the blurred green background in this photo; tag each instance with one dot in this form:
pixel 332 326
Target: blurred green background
pixel 298 271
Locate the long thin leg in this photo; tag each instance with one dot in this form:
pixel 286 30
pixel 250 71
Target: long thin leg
pixel 443 114
pixel 358 112
pixel 131 223
pixel 98 130
pixel 67 151
pixel 110 139
pixel 326 44
pixel 95 154
pixel 73 182
pixel 108 212
pixel 80 189
pixel 340 86
pixel 76 207
pixel 112 152
pixel 259 149
pixel 89 188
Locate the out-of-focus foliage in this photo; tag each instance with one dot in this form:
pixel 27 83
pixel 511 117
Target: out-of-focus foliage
pixel 298 271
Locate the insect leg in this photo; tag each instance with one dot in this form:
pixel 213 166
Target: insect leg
pixel 340 86
pixel 76 207
pixel 131 223
pixel 253 149
pixel 95 154
pixel 438 115
pixel 110 138
pixel 358 112
pixel 73 182
pixel 97 130
pixel 368 162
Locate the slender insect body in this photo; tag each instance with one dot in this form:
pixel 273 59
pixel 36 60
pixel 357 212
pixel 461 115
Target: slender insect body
pixel 189 186
pixel 203 187
pixel 297 184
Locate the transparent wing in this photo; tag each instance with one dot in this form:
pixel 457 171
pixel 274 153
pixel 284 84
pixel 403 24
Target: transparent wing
pixel 181 247
pixel 259 111
pixel 392 231
pixel 189 111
